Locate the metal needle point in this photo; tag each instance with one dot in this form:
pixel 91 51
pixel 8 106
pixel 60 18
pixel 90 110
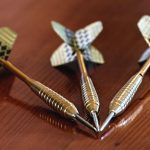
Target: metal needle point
pixel 84 122
pixel 106 122
pixel 95 119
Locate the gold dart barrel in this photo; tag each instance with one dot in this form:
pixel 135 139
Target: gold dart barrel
pixel 55 101
pixel 125 95
pixel 89 94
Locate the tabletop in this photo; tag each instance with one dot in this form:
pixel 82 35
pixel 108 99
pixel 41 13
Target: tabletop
pixel 26 123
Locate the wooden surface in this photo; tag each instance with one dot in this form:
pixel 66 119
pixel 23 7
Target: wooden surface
pixel 25 121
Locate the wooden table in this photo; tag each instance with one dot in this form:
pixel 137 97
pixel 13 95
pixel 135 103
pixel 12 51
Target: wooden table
pixel 25 121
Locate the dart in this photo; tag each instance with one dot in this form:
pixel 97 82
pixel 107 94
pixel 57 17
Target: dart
pixel 78 46
pixel 55 101
pixel 123 98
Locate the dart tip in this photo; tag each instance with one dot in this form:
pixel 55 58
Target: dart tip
pixel 95 119
pixel 106 122
pixel 87 124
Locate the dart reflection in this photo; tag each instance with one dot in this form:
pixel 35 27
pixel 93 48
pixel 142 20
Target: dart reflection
pixel 129 116
pixel 45 114
pixel 57 121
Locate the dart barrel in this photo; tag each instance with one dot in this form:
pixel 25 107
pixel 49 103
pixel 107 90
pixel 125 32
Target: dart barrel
pixel 90 97
pixel 56 102
pixel 125 95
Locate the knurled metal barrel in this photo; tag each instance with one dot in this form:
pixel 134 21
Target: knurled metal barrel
pixel 56 102
pixel 89 94
pixel 125 94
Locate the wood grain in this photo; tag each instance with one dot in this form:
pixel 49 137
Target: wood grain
pixel 25 121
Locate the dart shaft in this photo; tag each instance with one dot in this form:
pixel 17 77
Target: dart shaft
pixel 81 63
pixel 145 67
pixel 15 71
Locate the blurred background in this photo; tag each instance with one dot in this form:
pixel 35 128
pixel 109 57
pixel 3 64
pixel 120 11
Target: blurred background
pixel 120 43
